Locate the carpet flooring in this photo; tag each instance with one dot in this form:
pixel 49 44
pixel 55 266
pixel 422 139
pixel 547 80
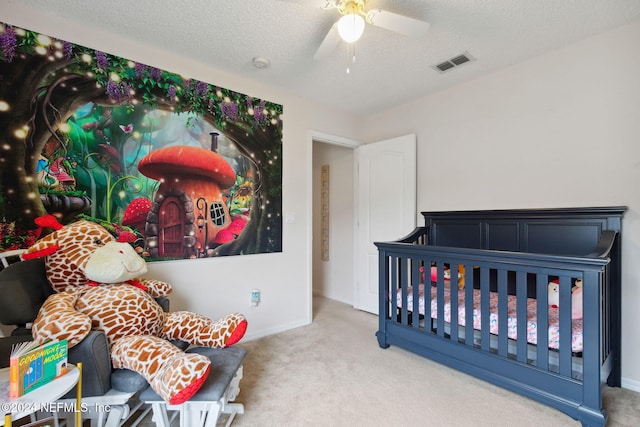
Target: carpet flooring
pixel 333 373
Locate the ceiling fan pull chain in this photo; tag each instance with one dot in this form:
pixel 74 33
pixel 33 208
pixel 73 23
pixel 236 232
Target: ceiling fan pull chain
pixel 351 54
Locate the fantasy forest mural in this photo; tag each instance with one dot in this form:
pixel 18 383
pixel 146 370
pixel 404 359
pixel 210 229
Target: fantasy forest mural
pixel 178 167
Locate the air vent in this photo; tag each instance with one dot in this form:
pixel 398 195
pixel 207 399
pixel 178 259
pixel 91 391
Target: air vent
pixel 454 62
pixel 445 66
pixel 459 60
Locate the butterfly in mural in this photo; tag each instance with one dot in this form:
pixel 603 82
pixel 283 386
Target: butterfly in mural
pixel 127 128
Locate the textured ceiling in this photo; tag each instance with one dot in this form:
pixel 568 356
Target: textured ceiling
pixel 390 69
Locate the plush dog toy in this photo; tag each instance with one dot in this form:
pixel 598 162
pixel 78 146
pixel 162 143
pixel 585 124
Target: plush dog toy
pixel 95 278
pixel 576 297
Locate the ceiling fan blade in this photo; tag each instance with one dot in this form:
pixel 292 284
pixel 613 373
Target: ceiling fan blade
pixel 329 44
pixel 401 24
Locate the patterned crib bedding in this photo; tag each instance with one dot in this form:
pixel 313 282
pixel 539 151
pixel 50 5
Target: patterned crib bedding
pixel 512 330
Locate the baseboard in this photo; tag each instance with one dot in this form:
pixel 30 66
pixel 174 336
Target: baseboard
pixel 272 331
pixel 630 384
pixel 333 297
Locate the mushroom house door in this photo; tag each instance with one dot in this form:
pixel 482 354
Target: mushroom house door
pixel 171 233
pixel 386 207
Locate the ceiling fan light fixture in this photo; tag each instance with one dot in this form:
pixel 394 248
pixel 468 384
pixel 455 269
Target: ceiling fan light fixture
pixel 351 27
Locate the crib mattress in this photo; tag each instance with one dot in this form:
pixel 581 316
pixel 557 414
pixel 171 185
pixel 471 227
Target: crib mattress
pixel 512 321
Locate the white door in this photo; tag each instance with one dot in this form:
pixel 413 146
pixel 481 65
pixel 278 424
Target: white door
pixel 386 207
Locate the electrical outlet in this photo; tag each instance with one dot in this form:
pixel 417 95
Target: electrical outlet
pixel 255 297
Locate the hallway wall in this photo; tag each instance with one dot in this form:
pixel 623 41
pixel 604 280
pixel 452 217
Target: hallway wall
pixel 334 278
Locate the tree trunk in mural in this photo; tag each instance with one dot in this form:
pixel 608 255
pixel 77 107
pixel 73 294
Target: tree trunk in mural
pixel 41 95
pixel 266 210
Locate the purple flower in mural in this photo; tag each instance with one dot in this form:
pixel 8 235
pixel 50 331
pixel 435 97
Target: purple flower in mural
pixel 67 50
pixel 172 93
pixel 140 69
pixel 127 90
pixel 230 110
pixel 258 113
pixel 101 60
pixel 118 92
pixel 202 89
pixel 113 90
pixel 8 43
pixel 155 73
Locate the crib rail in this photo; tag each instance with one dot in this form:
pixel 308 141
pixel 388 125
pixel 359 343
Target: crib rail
pixel 490 273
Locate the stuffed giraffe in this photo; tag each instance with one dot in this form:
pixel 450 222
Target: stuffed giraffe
pixel 96 284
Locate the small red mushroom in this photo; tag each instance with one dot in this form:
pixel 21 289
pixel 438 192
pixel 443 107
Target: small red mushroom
pixel 135 215
pixel 223 236
pixel 237 225
pixel 127 237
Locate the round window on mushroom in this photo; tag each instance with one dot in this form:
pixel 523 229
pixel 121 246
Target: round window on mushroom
pixel 218 214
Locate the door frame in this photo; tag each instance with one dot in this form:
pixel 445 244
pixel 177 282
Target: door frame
pixel 314 135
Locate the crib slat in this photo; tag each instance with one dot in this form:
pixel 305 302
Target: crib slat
pixel 542 320
pixel 522 316
pixel 484 309
pixel 393 261
pixel 415 283
pixel 503 339
pixel 468 305
pixel 426 295
pixel 404 312
pixel 440 299
pixel 453 293
pixel 565 326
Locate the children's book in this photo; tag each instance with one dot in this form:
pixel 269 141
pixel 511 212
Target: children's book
pixel 32 365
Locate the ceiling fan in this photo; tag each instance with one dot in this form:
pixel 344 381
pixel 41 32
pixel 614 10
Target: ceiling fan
pixel 351 25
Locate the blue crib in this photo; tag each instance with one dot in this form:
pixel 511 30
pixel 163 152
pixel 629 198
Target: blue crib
pixel 506 261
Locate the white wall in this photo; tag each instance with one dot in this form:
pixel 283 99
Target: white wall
pixel 559 130
pixel 218 286
pixel 334 278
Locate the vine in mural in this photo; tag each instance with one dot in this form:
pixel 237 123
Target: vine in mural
pixel 179 167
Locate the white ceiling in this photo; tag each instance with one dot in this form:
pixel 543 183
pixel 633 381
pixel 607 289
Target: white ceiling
pixel 390 69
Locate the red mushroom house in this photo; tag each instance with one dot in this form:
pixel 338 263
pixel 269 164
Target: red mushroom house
pixel 188 210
